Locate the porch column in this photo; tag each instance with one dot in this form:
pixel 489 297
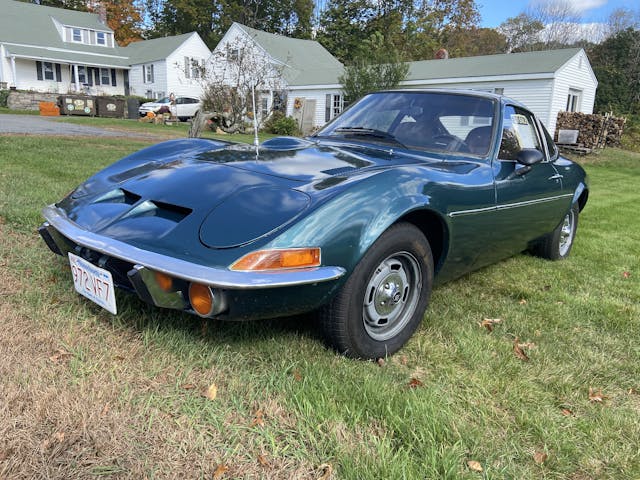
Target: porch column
pixel 13 71
pixel 76 77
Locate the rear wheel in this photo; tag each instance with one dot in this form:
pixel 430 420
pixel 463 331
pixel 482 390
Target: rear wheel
pixel 557 244
pixel 383 301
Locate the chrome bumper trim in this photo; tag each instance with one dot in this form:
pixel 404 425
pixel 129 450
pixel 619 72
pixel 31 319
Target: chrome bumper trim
pixel 192 272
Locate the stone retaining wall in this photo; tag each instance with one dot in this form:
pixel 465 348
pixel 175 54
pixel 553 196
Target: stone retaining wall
pixel 29 100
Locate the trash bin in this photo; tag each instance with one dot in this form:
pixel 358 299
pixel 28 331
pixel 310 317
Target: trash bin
pixel 77 105
pixel 110 107
pixel 133 105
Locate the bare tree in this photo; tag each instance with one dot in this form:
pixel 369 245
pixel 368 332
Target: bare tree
pixel 621 19
pixel 561 22
pixel 234 75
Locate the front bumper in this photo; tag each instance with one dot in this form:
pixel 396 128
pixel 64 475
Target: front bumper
pixel 134 268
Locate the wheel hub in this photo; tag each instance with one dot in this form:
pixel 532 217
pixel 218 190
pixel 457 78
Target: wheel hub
pixel 391 296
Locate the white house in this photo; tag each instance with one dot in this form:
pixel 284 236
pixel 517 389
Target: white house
pixel 167 65
pixel 307 72
pixel 54 50
pixel 547 82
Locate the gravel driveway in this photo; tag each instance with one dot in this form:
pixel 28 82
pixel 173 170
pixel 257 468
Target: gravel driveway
pixel 35 125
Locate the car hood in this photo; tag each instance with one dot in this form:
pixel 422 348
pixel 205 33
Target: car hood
pixel 223 195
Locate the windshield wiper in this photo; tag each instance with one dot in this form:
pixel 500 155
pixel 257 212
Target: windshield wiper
pixel 369 132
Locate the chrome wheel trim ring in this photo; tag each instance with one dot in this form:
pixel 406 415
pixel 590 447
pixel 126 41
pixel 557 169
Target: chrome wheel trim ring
pixel 566 233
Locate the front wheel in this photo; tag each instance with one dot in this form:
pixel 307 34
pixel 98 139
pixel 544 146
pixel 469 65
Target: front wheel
pixel 557 244
pixel 383 301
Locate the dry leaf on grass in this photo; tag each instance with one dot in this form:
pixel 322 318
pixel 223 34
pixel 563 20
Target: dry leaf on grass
pixel 415 383
pixel 212 392
pixel 60 356
pixel 56 438
pixel 540 457
pixel 380 362
pixel 220 471
pixel 187 386
pixel 105 409
pixel 475 466
pixel 258 419
pixel 626 274
pixel 566 412
pixel 522 301
pixel 296 375
pixel 596 396
pixel 488 323
pixel 326 470
pixel 262 460
pixel 518 351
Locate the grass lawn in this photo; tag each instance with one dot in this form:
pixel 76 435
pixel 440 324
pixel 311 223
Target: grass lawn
pixel 86 394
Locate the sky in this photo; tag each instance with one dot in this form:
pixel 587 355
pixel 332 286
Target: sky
pixel 494 12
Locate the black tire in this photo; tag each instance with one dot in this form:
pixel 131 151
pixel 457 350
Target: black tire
pixel 557 244
pixel 393 280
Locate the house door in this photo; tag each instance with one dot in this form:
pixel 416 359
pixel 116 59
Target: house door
pixel 308 115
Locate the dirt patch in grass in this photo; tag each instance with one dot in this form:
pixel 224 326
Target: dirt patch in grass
pixel 82 398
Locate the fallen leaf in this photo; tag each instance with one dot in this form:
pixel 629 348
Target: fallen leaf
pixel 4 454
pixel 220 471
pixel 632 391
pixel 327 470
pixel 626 274
pixel 105 409
pixel 540 457
pixel 566 412
pixel 60 355
pixel 527 345
pixel 488 323
pixel 475 466
pixel 522 301
pixel 262 460
pixel 212 392
pixel 518 351
pixel 296 375
pixel 380 362
pixel 403 359
pixel 187 386
pixel 59 436
pixel 258 419
pixel 596 396
pixel 415 383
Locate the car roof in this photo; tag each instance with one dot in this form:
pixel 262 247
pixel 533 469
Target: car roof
pixel 459 91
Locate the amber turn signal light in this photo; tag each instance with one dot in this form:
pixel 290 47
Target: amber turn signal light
pixel 164 281
pixel 201 299
pixel 279 259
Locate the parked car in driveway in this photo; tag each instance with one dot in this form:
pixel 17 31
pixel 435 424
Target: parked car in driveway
pixel 404 190
pixel 183 108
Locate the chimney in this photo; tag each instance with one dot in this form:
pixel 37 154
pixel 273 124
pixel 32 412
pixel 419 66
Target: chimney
pixel 102 13
pixel 442 54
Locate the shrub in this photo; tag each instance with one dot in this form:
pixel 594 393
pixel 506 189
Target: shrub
pixel 280 124
pixel 4 95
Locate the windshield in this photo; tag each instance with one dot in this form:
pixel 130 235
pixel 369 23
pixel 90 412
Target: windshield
pixel 426 121
pixel 163 100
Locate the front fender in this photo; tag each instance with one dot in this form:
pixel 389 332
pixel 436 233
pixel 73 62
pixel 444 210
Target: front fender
pixel 346 226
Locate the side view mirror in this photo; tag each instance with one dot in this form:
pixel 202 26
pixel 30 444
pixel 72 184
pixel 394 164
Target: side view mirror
pixel 529 156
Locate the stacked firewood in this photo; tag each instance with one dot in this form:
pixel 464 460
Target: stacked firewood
pixel 595 131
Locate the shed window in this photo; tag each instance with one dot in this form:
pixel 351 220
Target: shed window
pixel 333 106
pixel 101 38
pixel 573 100
pixel 77 35
pixel 147 73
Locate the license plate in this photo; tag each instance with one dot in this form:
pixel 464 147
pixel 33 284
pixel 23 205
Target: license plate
pixel 93 282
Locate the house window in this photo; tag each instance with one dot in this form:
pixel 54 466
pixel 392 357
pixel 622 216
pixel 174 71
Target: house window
pixel 48 70
pixel 195 68
pixel 105 77
pixel 573 100
pixel 333 106
pixel 82 74
pixel 233 54
pixel 101 38
pixel 147 73
pixel 337 105
pixel 77 35
pixel 149 94
pixel 264 107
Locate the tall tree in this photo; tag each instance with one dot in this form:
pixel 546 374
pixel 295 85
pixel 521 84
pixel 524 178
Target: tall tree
pixel 521 32
pixel 616 63
pixel 375 67
pixel 473 41
pixel 124 17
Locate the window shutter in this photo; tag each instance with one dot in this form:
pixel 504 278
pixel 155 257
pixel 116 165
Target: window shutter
pixel 113 77
pixel 327 107
pixel 96 71
pixel 58 73
pixel 187 69
pixel 89 76
pixel 152 77
pixel 39 70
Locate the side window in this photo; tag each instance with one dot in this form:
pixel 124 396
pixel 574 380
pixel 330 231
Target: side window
pixel 518 132
pixel 551 146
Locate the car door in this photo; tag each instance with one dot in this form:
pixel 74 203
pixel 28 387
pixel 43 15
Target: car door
pixel 529 199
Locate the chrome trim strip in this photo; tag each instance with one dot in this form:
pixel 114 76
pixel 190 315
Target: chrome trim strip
pixel 507 206
pixel 192 272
